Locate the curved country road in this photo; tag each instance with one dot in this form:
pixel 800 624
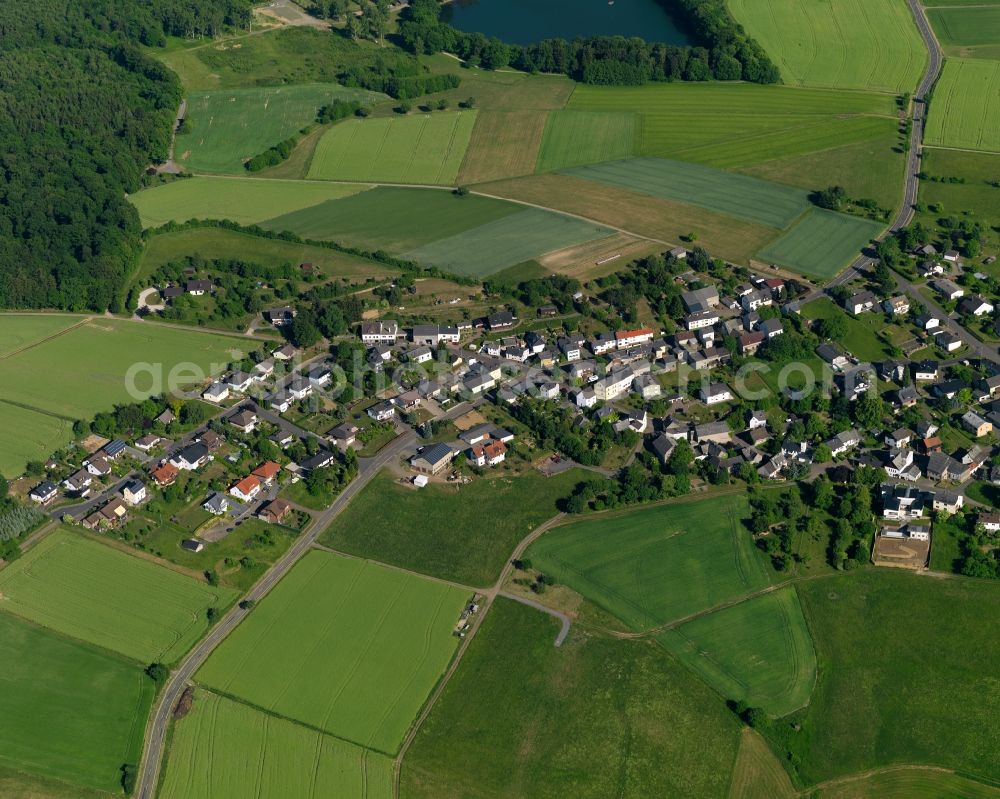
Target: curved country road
pixel 156 730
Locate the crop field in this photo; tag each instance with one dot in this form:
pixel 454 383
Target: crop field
pixel 758 774
pixel 758 651
pixel 18 331
pixel 29 435
pixel 70 711
pixel 822 243
pixel 594 718
pixel 966 27
pixel 504 144
pixel 343 645
pixel 393 219
pixel 496 245
pixel 22 785
pixel 95 359
pixel 852 44
pixel 872 708
pixel 229 126
pixel 577 138
pixel 426 148
pixel 247 201
pixel 215 743
pixel 90 591
pixel 743 197
pixel 656 565
pixel 909 783
pixel 461 533
pixel 656 218
pixel 965 109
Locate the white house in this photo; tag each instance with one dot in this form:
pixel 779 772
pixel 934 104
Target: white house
pixel 216 393
pixel 715 393
pixel 246 489
pixel 380 332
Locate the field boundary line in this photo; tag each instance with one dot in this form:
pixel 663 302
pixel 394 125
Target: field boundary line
pixel 41 341
pixel 26 407
pixel 472 589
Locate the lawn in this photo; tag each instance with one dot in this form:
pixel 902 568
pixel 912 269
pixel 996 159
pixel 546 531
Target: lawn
pixel 18 331
pixel 29 435
pixel 757 651
pixel 505 242
pixel 247 201
pixel 656 565
pixel 423 148
pixel 96 359
pixel 596 717
pixel 965 109
pixel 861 339
pixel 461 533
pixel 225 244
pixel 215 742
pixel 843 44
pixel 393 219
pixel 343 645
pixel 226 127
pixel 70 711
pixel 740 196
pixel 81 588
pixel 666 220
pixel 577 138
pixel 822 243
pixel 894 692
pixel 504 144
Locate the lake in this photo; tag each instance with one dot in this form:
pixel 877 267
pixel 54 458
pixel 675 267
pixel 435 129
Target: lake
pixel 527 21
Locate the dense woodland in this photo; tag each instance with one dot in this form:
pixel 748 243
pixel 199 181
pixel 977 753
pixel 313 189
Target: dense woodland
pixel 726 52
pixel 78 96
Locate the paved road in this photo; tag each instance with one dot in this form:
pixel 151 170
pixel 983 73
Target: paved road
pixel 157 728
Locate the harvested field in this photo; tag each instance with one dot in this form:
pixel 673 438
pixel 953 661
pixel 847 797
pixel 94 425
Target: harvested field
pixel 504 144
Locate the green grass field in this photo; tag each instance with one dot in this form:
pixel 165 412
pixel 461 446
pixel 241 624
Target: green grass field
pixel 214 745
pixel 893 692
pixel 822 243
pixel 910 784
pixel 22 785
pixel 504 144
pixel 594 718
pixel 95 360
pixel 18 331
pixel 393 219
pixel 576 138
pixel 343 645
pixel 28 435
pixel 758 651
pixel 505 242
pixel 461 533
pixel 968 27
pixel 425 148
pixel 229 126
pixel 81 588
pixel 843 44
pixel 246 201
pixel 656 565
pixel 861 339
pixel 740 196
pixel 965 109
pixel 70 711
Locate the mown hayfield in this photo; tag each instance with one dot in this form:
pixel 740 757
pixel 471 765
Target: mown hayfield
pixel 70 711
pixel 892 692
pixel 84 589
pixel 909 783
pixel 822 243
pixel 229 126
pixel 965 108
pixel 966 27
pixel 463 533
pixel 743 197
pixel 656 565
pixel 18 331
pixel 246 201
pixel 594 718
pixel 758 651
pixel 576 138
pixel 393 219
pixel 496 245
pixel 844 44
pixel 665 220
pixel 758 774
pixel 343 645
pixel 214 745
pixel 22 785
pixel 583 261
pixel 504 144
pixel 425 148
pixel 95 359
pixel 29 435
pixel 975 197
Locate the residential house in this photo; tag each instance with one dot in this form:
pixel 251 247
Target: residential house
pixel 771 327
pixel 717 432
pixel 715 393
pixel 382 411
pixel 274 512
pixel 99 466
pixel 583 397
pixel 280 401
pixel 989 521
pixel 903 502
pixel 489 454
pixel 320 376
pixel 899 464
pixel 284 353
pixel 700 299
pixel 925 370
pixel 299 389
pixel 700 319
pixel 907 397
pixel 134 492
pixel 833 355
pixel 927 321
pixel 344 434
pixel 109 517
pixel 861 302
pixel 246 489
pixel 217 504
pixel 380 332
pixel 976 424
pixel 502 320
pixel 947 341
pixel 975 306
pixel 433 459
pixel 43 493
pixel 897 305
pixel 147 442
pixel 216 393
pixel 79 483
pixel 947 501
pixel 267 472
pixel 629 338
pixel 571 347
pixel 614 385
pixel 197 288
pixel 663 447
pixel 321 460
pixel 844 441
pixel 280 317
pixel 420 355
pixel 948 289
pixel 165 475
pixel 244 421
pixel 192 457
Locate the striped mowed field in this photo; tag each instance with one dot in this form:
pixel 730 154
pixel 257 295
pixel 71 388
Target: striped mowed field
pixel 576 138
pixel 822 243
pixel 965 109
pixel 224 749
pixel 424 148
